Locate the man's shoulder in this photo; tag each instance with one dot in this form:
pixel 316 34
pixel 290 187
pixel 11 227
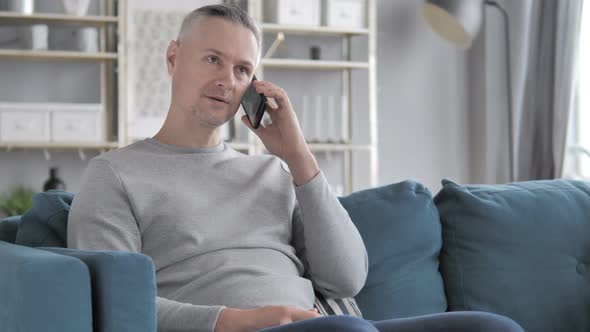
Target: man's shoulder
pixel 124 154
pixel 272 161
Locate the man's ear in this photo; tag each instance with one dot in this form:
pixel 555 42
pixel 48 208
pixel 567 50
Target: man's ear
pixel 171 54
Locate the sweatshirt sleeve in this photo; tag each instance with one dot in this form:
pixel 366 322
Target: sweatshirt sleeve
pixel 101 218
pixel 327 242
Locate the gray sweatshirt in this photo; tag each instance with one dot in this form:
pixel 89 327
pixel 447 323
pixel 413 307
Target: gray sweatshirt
pixel 224 229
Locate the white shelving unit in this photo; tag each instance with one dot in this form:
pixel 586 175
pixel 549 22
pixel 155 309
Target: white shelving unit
pixel 107 56
pixel 112 56
pixel 255 8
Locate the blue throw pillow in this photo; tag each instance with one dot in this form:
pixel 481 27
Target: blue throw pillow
pixel 45 224
pixel 400 228
pixel 521 250
pixel 8 228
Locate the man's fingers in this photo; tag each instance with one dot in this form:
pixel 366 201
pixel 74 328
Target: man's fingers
pixel 279 96
pixel 272 104
pixel 247 123
pixel 261 132
pixel 298 314
pixel 270 90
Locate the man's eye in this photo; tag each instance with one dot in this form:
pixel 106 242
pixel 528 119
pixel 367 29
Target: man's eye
pixel 212 59
pixel 243 70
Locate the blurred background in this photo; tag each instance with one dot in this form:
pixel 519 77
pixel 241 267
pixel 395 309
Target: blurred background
pixel 385 91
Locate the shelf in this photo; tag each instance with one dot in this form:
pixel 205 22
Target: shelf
pixel 307 30
pixel 57 55
pixel 56 145
pixel 37 18
pixel 313 64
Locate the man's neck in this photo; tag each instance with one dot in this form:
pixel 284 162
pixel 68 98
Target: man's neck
pixel 186 137
pixel 186 142
pixel 179 130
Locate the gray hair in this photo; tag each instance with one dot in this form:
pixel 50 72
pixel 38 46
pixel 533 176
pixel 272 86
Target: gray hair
pixel 229 12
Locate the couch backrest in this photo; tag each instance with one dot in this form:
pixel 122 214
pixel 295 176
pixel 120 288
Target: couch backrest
pixel 400 227
pixel 521 250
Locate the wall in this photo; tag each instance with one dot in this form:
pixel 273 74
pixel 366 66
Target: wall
pixel 422 111
pixel 423 126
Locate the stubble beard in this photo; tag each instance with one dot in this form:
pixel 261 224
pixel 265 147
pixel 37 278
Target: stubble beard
pixel 206 121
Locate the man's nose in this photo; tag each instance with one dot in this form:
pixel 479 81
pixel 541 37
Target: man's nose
pixel 226 80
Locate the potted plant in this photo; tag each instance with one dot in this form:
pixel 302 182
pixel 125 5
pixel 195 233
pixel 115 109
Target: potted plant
pixel 17 202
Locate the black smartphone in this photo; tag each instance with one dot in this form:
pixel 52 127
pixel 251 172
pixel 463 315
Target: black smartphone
pixel 254 104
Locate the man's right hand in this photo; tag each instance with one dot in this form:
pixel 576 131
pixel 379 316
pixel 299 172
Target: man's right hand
pixel 246 320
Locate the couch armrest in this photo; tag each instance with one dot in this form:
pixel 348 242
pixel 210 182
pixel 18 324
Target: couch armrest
pixel 123 288
pixel 43 291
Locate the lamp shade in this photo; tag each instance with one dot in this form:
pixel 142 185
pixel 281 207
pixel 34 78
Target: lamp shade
pixel 457 21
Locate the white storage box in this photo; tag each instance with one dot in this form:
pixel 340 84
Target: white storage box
pixel 24 122
pixel 293 12
pixel 344 13
pixel 77 123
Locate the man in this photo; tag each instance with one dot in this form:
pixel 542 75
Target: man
pixel 239 243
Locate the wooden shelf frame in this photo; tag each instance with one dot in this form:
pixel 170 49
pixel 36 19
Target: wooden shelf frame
pixel 57 55
pixel 58 145
pixel 9 18
pixel 315 31
pixel 313 64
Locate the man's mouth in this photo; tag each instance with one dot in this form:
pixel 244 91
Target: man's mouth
pixel 219 98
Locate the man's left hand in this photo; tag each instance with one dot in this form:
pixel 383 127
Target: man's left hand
pixel 283 137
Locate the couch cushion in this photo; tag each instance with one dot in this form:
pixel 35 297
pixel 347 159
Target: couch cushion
pixel 400 227
pixel 520 250
pixel 123 289
pixel 8 228
pixel 45 224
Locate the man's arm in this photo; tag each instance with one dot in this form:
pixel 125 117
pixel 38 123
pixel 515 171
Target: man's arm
pixel 101 218
pixel 325 238
pixel 335 255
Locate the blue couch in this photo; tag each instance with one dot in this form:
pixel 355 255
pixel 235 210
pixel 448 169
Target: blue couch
pixel 521 250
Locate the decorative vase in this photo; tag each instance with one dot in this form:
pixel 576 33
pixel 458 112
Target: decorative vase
pixel 76 7
pixel 34 37
pixel 54 182
pixel 22 6
pixel 88 39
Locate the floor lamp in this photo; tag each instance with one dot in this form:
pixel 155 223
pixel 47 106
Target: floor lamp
pixel 459 21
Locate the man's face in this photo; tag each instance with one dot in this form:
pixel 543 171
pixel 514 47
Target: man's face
pixel 211 68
